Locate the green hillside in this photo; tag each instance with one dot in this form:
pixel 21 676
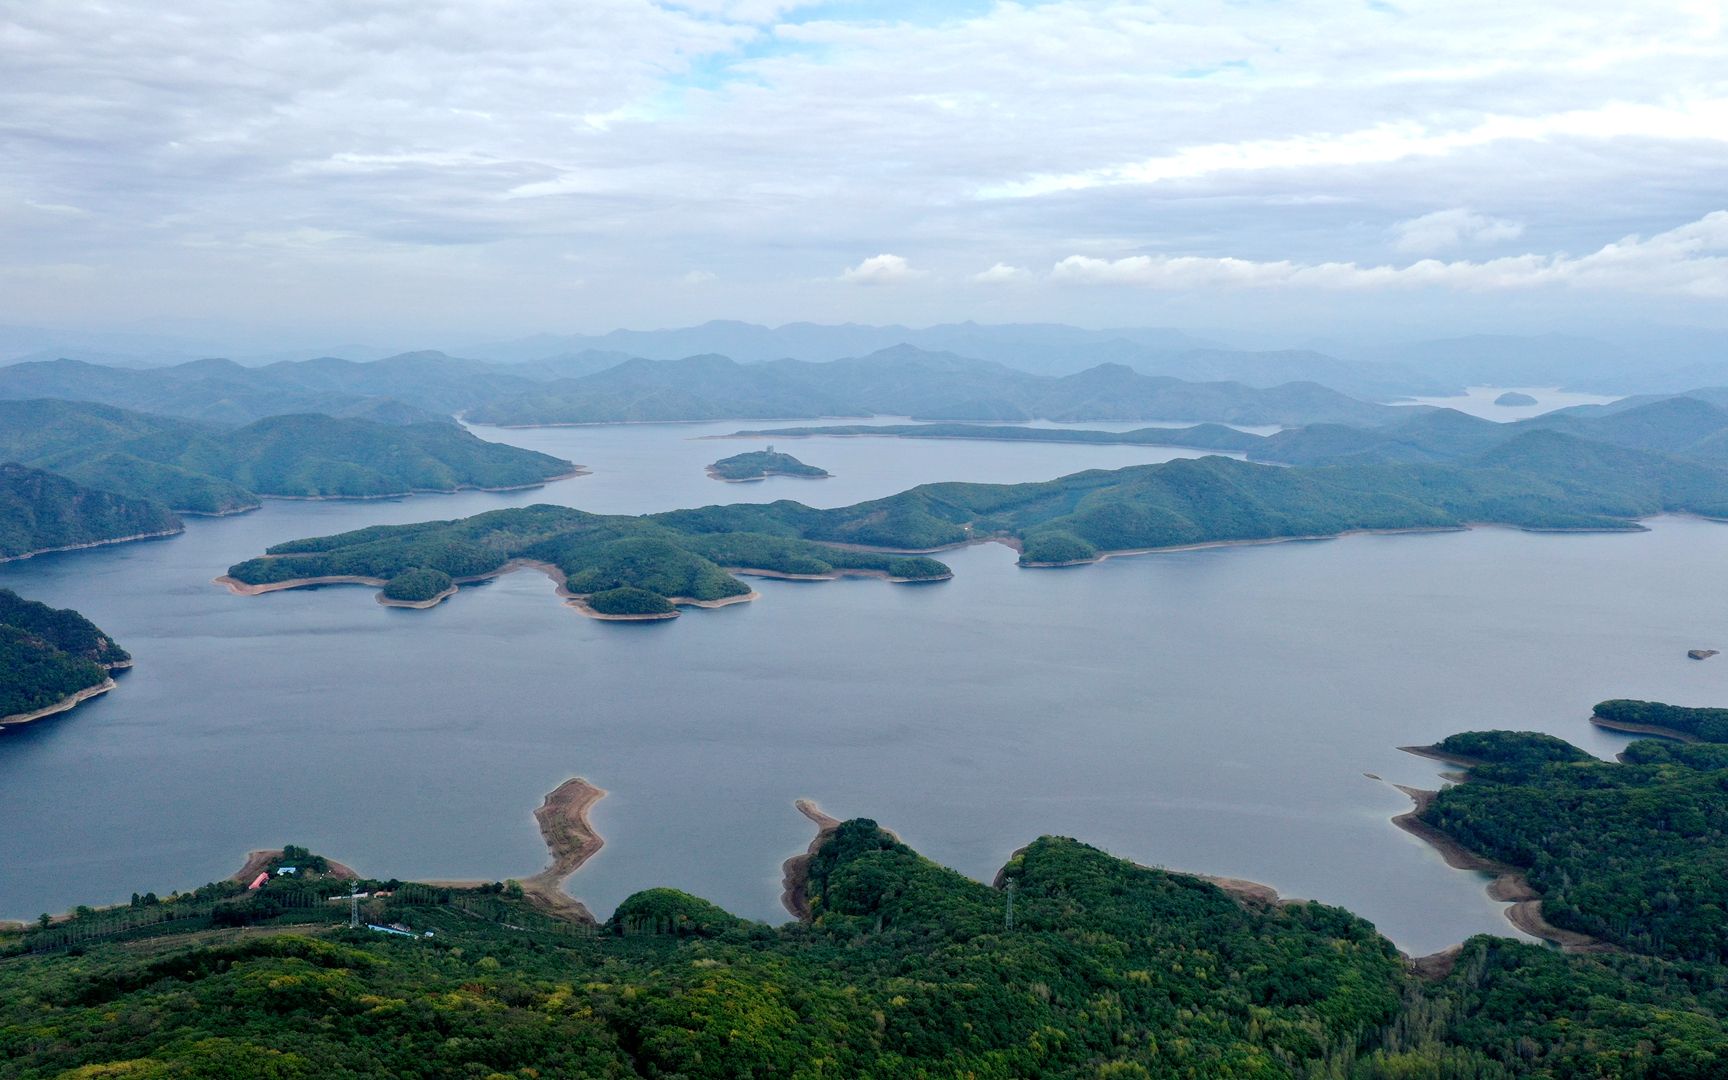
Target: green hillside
pixel 208 469
pixel 48 654
pixel 1073 964
pixel 40 511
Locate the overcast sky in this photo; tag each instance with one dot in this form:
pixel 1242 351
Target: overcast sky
pixel 423 170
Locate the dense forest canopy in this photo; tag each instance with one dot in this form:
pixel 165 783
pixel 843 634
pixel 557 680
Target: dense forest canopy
pixel 758 464
pixel 203 468
pixel 40 511
pixel 49 654
pixel 1073 964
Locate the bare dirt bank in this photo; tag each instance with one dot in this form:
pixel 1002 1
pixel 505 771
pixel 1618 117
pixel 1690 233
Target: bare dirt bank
pixel 259 861
pixel 795 872
pixel 71 701
pixel 1510 883
pixel 572 840
pixel 577 601
pixel 93 544
pixel 1642 729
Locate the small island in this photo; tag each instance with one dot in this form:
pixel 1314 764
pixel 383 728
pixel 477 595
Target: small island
pixel 760 465
pixel 1514 398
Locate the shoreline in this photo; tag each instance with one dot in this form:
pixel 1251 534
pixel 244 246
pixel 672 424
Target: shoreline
pixel 1655 730
pixel 1510 884
pixel 795 872
pixel 65 704
pixel 713 475
pixel 260 858
pixel 572 600
pixel 94 544
pixel 576 470
pixel 572 840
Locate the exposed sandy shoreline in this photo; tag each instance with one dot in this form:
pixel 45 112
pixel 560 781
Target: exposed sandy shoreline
pixel 573 600
pixel 579 470
pixel 63 705
pixel 572 840
pixel 1643 729
pixel 712 475
pixel 795 872
pixel 257 861
pixel 1509 885
pixel 94 544
pixel 418 605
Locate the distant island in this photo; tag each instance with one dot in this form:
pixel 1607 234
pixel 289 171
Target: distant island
pixel 1540 480
pixel 41 512
pixel 1514 397
pixel 761 464
pixel 50 659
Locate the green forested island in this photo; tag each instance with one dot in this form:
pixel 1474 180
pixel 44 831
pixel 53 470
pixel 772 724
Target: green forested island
pixel 40 512
pixel 49 656
pixel 202 468
pixel 761 464
pixel 1537 480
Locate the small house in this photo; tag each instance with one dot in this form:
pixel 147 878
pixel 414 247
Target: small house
pixel 258 882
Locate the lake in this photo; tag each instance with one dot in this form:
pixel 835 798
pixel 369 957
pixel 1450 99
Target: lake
pixel 1208 710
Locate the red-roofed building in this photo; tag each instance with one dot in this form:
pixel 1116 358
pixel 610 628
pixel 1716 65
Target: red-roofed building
pixel 259 881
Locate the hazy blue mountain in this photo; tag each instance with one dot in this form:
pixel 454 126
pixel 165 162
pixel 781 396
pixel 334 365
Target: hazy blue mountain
pixel 1037 348
pixel 904 380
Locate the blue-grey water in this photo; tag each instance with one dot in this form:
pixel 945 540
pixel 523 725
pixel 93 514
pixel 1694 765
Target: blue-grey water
pixel 1209 710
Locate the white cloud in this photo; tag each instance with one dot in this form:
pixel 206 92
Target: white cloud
pixel 1384 143
pixel 1446 229
pixel 1001 274
pixel 1691 260
pixel 698 277
pixel 881 270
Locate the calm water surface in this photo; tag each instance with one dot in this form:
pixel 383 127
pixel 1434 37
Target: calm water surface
pixel 1210 710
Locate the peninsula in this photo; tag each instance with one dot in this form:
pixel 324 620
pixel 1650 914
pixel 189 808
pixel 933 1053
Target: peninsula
pixel 760 465
pixel 51 659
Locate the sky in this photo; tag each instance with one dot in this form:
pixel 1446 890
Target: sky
pixel 415 171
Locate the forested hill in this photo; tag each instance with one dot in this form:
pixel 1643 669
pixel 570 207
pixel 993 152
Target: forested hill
pixel 1633 852
pixel 760 464
pixel 1683 426
pixel 907 969
pixel 208 469
pixel 40 512
pixel 49 654
pixel 909 382
pixel 1542 480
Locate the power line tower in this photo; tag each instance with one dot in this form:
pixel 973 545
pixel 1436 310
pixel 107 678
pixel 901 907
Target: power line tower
pixel 353 908
pixel 1008 907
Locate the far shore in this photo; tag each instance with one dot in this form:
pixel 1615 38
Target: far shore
pixel 93 544
pixel 71 701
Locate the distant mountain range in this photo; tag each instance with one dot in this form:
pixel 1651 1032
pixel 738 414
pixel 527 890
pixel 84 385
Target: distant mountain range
pixel 1630 360
pixel 595 387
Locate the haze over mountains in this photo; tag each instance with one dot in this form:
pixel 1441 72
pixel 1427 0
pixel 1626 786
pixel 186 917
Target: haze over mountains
pixel 1632 361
